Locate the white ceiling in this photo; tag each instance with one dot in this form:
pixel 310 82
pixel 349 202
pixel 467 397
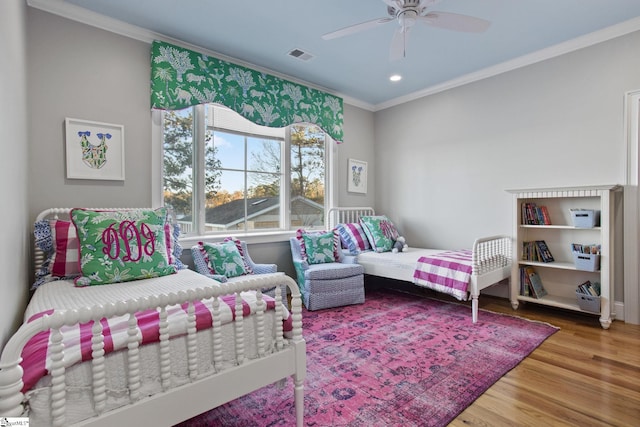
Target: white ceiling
pixel 357 66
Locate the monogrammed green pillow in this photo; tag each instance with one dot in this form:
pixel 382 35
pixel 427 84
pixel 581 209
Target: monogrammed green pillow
pixel 380 231
pixel 119 246
pixel 225 259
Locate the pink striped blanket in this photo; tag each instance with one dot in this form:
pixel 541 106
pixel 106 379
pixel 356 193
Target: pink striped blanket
pixel 447 272
pixel 77 338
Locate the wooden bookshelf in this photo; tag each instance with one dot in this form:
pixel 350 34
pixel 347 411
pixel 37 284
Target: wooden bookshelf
pixel 560 278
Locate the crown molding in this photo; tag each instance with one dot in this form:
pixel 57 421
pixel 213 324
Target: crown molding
pixel 88 17
pixel 577 43
pixel 94 19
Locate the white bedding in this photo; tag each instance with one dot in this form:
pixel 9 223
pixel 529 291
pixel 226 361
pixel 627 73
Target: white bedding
pixel 63 294
pixel 399 266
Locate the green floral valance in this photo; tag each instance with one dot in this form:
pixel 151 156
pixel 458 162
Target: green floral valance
pixel 181 78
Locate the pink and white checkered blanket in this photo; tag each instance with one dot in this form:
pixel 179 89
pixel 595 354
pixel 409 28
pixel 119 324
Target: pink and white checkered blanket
pixel 447 272
pixel 77 338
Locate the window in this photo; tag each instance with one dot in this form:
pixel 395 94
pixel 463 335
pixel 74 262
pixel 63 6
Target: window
pixel 223 174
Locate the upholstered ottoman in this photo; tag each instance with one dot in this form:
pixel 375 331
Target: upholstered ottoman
pixel 333 285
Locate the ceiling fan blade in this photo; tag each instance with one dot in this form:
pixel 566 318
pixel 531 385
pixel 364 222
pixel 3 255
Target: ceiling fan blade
pixel 399 44
pixel 455 22
pixel 393 3
pixel 356 28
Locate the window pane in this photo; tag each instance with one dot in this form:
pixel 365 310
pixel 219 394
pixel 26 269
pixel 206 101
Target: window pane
pixel 265 155
pixel 225 211
pixel 178 165
pixel 263 202
pixel 249 161
pixel 307 176
pixel 229 149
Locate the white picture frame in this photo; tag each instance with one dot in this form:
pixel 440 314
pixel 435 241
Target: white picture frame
pixel 357 176
pixel 94 150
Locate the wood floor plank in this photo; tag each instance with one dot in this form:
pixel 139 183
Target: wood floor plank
pixel 582 375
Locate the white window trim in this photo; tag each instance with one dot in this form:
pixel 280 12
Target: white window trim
pixel 157 199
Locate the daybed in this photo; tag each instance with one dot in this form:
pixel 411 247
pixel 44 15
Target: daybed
pixel 488 262
pixel 155 351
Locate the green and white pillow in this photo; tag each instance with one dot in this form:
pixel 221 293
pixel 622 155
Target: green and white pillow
pixel 321 248
pixel 123 245
pixel 380 231
pixel 224 258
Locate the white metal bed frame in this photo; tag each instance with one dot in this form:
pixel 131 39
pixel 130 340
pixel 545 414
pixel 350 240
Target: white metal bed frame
pixel 491 256
pixel 172 405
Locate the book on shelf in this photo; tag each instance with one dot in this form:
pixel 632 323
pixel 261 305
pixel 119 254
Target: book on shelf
pixel 535 215
pixel 536 251
pixel 537 290
pixel 545 215
pixel 545 253
pixel 524 283
pixel 589 288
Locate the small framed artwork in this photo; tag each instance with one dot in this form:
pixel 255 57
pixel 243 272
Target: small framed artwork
pixel 94 150
pixel 357 176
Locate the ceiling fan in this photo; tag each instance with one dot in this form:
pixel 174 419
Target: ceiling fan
pixel 407 13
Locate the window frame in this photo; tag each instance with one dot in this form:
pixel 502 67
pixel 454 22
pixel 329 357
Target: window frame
pixel 157 198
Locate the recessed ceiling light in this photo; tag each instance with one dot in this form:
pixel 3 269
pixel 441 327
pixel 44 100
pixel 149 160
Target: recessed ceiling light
pixel 395 78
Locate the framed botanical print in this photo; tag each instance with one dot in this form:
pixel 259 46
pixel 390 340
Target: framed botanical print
pixel 357 176
pixel 94 150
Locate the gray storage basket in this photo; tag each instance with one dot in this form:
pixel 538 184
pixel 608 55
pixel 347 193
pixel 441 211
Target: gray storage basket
pixel 590 303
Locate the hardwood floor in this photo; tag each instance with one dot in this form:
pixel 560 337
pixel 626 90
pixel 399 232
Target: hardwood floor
pixel 582 375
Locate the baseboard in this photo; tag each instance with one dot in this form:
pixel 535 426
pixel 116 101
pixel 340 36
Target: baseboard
pixel 618 309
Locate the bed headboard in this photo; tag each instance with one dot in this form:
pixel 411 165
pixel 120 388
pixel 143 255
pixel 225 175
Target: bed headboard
pixel 63 214
pixel 336 216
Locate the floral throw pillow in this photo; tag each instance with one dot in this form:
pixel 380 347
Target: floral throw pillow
pixel 380 231
pixel 321 248
pixel 224 258
pixel 123 245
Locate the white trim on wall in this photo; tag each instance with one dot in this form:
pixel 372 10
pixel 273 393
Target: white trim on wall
pixel 77 13
pixel 596 37
pixel 157 143
pixel 631 208
pixel 631 130
pixel 89 17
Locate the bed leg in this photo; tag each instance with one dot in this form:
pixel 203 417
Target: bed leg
pixel 299 400
pixel 474 308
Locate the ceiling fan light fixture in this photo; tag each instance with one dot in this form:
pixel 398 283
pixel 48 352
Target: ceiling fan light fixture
pixel 395 77
pixel 407 18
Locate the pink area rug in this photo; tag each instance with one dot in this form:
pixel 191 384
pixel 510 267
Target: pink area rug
pixel 396 360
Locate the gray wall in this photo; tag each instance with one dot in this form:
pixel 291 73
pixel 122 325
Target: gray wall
pixel 14 167
pixel 358 144
pixel 86 73
pixel 551 124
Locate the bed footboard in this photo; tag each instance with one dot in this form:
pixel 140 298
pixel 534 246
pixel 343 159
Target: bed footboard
pixel 490 263
pixel 491 253
pixel 286 358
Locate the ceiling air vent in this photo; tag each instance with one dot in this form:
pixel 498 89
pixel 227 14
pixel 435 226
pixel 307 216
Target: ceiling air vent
pixel 300 54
